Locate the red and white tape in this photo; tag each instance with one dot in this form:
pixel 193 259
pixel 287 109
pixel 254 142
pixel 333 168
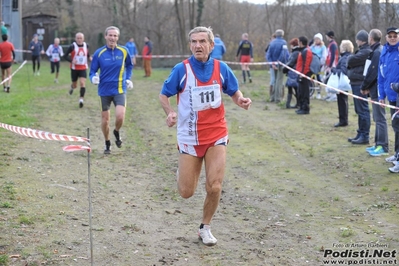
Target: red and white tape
pixel 341 91
pixel 23 63
pixel 38 134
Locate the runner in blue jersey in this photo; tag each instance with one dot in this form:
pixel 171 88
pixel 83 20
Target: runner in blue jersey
pixel 115 65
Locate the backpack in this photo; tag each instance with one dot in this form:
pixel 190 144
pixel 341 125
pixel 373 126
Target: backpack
pixel 284 55
pixel 315 65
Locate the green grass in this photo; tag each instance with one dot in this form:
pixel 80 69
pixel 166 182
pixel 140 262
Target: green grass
pixel 4 260
pixel 17 106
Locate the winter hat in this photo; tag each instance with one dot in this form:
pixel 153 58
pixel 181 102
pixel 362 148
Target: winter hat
pixel 330 34
pixel 319 36
pixel 362 36
pixel 392 29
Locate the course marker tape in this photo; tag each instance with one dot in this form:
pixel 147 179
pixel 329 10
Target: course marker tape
pixel 344 92
pixel 38 134
pixel 23 63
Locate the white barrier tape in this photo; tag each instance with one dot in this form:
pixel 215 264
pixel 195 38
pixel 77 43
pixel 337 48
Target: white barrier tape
pixel 250 63
pixel 38 134
pixel 23 63
pixel 341 91
pixel 23 51
pixel 164 56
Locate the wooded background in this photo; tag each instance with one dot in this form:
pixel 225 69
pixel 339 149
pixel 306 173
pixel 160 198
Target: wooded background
pixel 167 22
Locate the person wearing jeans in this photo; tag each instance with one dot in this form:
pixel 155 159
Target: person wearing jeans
pixel 369 87
pixel 355 65
pixel 388 75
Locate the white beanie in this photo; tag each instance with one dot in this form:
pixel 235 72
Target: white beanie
pixel 318 35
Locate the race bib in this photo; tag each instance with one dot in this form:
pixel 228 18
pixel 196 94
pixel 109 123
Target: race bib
pixel 80 59
pixel 206 97
pixel 55 57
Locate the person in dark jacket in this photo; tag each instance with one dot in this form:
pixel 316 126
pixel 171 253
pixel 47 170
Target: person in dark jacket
pixel 292 77
pixel 369 87
pixel 303 66
pixel 346 49
pixel 355 65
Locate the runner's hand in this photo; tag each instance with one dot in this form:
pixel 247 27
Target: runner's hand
pixel 95 80
pixel 171 119
pixel 129 84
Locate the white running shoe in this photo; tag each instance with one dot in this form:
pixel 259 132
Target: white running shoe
pixel 391 159
pixel 318 96
pixel 206 236
pixel 394 169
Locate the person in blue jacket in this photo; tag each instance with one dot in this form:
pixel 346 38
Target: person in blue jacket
pixel 131 47
pixel 278 51
pixel 389 73
pixel 219 49
pixel 115 65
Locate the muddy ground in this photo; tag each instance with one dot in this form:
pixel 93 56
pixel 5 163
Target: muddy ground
pixel 294 187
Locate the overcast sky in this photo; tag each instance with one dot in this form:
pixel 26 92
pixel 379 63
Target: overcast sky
pixel 273 1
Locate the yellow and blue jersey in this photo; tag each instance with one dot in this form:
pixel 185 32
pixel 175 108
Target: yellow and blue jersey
pixel 115 67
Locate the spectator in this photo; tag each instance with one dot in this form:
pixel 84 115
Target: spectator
pixel 303 66
pixel 292 83
pixel 331 61
pixel 278 51
pixel 271 70
pixel 245 54
pixel 219 49
pixel 369 87
pixel 346 48
pixel 147 56
pixel 389 74
pixel 320 50
pixel 131 47
pixel 4 30
pixel 355 65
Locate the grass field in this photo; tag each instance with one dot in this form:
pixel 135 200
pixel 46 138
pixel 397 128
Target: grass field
pixel 294 185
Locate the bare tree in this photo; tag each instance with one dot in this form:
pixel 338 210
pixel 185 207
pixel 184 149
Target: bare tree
pixel 180 19
pixel 375 11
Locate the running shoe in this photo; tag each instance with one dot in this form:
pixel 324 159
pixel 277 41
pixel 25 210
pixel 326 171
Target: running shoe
pixel 378 151
pixel 250 80
pixel 55 80
pixel 318 96
pixel 8 90
pixel 206 236
pixel 391 159
pixel 70 90
pixel 80 103
pixel 371 148
pixel 394 169
pixel 118 141
pixel 107 150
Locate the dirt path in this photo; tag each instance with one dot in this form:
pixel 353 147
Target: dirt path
pixel 294 186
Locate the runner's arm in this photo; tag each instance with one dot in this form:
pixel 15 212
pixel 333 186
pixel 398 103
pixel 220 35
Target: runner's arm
pixel 171 114
pixel 239 99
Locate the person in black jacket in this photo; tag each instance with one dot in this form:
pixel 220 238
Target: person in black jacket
pixel 291 82
pixel 369 87
pixel 346 49
pixel 355 65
